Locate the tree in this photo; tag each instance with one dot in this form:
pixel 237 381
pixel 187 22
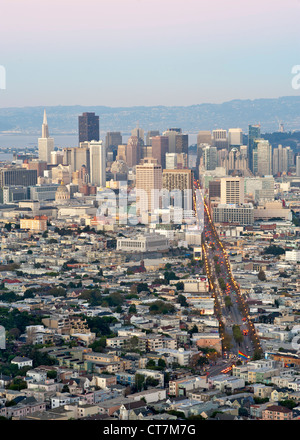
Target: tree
pixel 179 285
pixel 181 299
pixel 52 374
pixel 152 382
pixel 142 287
pixel 161 363
pixel 193 330
pixel 18 384
pixel 99 344
pixel 290 404
pixel 161 307
pixel 132 308
pixel 198 417
pixel 151 363
pixel 261 275
pixel 139 381
pixel 274 250
pixel 170 276
pixel 237 334
pixel 228 302
pixel 256 355
pixel 133 343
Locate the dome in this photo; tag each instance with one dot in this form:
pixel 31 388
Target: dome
pixel 62 193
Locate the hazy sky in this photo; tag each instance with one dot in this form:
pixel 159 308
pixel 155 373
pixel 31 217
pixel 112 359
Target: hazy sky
pixel 147 52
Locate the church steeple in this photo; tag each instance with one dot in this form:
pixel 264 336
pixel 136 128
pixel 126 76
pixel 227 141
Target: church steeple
pixel 45 131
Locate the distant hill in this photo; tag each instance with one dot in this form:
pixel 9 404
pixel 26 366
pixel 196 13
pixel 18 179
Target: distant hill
pixel 232 114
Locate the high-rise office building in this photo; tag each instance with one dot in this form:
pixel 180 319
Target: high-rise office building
pixel 148 185
pixel 77 156
pixel 113 139
pixel 172 134
pixel 260 188
pixel 177 179
pixel 45 143
pixel 171 161
pixel 288 159
pixel 134 151
pixel 220 139
pixel 150 135
pixel 277 160
pixel 182 143
pixel 139 133
pixel 17 176
pixel 264 158
pixel 235 137
pixel 121 154
pixel 204 137
pixel 214 189
pixel 182 160
pixel 210 157
pixel 160 147
pixel 98 163
pixel 253 134
pixel 298 166
pixel 244 151
pixel 232 190
pixel 88 127
pixel 283 159
pixel 57 157
pixel 181 181
pixel 39 165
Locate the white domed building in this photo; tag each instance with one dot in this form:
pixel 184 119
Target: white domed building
pixel 62 194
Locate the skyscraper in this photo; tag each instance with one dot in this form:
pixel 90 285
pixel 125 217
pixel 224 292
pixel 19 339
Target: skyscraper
pixel 138 132
pixel 253 134
pixel 148 184
pixel 150 135
pixel 88 127
pixel 17 176
pixel 235 137
pixel 133 151
pixel 182 143
pixel 264 158
pixel 204 137
pixel 172 134
pixel 220 139
pixel 97 163
pixel 45 143
pixel 77 156
pixel 171 161
pixel 181 181
pixel 113 139
pixel 210 157
pixel 160 146
pixel 232 190
pixel 283 159
pixel 298 166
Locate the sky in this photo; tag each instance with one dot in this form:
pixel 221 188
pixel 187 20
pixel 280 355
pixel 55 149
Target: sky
pixel 123 53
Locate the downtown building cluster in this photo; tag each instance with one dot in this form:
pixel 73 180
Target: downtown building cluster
pixel 112 310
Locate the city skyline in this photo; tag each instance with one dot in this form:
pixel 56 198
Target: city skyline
pixel 149 213
pixel 141 53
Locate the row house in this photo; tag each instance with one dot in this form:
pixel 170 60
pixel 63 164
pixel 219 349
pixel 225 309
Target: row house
pixel 23 409
pixel 277 412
